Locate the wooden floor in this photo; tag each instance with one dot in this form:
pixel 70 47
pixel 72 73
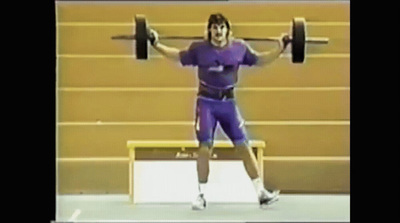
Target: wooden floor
pixel 116 208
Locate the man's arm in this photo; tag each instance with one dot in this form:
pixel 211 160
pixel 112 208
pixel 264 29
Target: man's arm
pixel 268 57
pixel 169 52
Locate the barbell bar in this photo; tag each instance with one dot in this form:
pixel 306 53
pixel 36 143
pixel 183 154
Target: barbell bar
pixel 298 38
pixel 313 40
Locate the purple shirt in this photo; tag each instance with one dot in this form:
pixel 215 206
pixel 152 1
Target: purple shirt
pixel 218 67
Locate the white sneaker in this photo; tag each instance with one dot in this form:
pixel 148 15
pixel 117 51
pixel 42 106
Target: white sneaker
pixel 268 197
pixel 199 203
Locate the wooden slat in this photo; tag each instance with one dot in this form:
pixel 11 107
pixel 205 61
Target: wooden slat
pixel 179 105
pixel 191 11
pixel 303 140
pixel 93 177
pixel 128 72
pixel 295 105
pixel 97 39
pixel 282 140
pixel 288 176
pixel 308 176
pixel 185 143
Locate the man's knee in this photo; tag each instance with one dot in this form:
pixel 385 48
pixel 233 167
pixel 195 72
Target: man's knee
pixel 243 149
pixel 204 149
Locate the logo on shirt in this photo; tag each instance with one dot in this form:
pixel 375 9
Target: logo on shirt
pixel 219 68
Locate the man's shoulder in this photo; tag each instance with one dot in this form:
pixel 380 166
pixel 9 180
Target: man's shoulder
pixel 199 43
pixel 239 42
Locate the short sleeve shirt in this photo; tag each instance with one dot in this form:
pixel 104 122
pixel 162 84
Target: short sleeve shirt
pixel 218 67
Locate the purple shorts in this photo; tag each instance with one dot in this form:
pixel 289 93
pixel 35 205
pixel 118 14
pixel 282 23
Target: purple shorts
pixel 209 112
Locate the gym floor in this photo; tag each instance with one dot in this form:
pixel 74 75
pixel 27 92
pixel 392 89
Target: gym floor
pixel 117 208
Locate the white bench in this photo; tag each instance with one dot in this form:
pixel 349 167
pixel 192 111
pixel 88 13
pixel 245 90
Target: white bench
pixel 134 145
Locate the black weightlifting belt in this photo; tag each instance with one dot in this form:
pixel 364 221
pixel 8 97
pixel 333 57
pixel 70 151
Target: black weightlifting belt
pixel 214 93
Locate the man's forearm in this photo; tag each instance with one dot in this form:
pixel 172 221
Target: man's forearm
pixel 168 52
pixel 268 57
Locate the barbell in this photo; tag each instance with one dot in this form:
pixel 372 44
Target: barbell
pixel 297 39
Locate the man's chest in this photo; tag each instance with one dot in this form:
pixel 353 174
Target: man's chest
pixel 220 58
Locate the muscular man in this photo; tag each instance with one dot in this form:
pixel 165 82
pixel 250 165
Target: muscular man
pixel 218 58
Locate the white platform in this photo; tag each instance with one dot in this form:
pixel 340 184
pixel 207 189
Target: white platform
pixel 176 181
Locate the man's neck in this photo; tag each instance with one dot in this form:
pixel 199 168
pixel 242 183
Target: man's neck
pixel 219 44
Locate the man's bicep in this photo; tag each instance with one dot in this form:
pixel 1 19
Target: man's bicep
pixel 188 56
pixel 250 56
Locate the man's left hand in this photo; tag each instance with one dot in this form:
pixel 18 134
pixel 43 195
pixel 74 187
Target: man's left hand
pixel 284 41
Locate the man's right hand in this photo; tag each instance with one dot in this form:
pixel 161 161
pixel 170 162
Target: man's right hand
pixel 152 36
pixel 168 52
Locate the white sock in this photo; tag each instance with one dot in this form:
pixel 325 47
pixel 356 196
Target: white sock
pixel 258 185
pixel 202 188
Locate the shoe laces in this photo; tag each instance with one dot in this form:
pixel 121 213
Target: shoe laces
pixel 266 194
pixel 200 198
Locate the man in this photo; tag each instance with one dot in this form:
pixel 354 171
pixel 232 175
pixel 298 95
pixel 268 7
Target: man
pixel 218 59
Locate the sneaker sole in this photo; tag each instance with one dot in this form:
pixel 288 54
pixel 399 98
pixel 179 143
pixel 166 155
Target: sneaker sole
pixel 275 199
pixel 198 208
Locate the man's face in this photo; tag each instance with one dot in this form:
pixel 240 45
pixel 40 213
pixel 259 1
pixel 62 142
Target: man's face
pixel 218 32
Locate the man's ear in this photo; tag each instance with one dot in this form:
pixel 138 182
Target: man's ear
pixel 229 34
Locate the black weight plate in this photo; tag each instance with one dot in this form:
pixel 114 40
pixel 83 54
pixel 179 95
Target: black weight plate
pixel 298 39
pixel 141 37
